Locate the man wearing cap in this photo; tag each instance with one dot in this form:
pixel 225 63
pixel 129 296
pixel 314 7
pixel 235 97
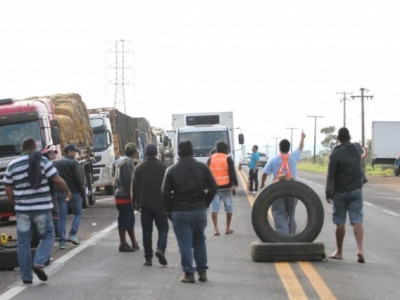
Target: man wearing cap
pixel 123 201
pixel 51 154
pixel 147 198
pixel 69 169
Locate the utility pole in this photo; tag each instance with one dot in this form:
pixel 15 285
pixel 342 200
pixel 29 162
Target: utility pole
pixel 315 134
pixel 362 96
pixel 291 137
pixel 344 105
pixel 276 145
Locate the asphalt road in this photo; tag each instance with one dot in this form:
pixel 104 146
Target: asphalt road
pixel 96 269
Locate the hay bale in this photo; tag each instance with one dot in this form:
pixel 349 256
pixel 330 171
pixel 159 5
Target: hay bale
pixel 73 118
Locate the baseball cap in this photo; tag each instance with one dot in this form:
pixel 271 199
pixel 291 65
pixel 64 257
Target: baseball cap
pixel 151 150
pixel 70 147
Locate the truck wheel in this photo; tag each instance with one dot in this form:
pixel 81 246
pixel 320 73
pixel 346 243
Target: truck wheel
pixel 9 258
pixel 91 189
pixel 287 188
pixel 109 190
pixel 274 252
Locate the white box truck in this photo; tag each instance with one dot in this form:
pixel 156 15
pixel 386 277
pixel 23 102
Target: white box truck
pixel 385 142
pixel 204 130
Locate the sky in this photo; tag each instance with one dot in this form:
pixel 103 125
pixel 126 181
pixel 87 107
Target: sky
pixel 277 64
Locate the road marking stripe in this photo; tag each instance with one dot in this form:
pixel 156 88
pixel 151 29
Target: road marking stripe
pixel 390 212
pixel 290 282
pixel 286 273
pixel 316 281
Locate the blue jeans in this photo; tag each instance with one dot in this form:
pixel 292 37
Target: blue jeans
pixel 253 178
pixel 76 205
pixel 283 210
pixel 159 216
pixel 40 221
pixel 189 227
pixel 224 196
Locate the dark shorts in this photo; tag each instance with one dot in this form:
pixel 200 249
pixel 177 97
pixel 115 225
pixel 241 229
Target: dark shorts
pixel 126 216
pixel 348 202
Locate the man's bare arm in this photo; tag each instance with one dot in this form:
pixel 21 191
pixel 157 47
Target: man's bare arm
pixel 10 193
pixel 62 185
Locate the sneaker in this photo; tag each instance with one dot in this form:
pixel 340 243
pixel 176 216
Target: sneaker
pixel 188 278
pixel 62 246
pixel 27 281
pixel 125 248
pixel 161 257
pixel 203 276
pixel 148 263
pixel 39 272
pixel 74 240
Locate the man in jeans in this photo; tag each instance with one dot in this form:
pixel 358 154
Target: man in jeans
pixel 188 189
pixel 26 183
pixel 147 198
pixel 69 169
pixel 253 170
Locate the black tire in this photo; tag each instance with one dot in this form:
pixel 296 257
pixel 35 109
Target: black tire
pixel 109 190
pixel 275 252
pixel 287 188
pixel 9 258
pixel 91 190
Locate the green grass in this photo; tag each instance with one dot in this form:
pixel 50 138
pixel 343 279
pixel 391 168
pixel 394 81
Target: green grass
pixel 322 168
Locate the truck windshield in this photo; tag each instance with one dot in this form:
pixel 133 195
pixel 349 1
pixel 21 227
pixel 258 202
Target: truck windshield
pixel 204 141
pixel 12 135
pixel 100 141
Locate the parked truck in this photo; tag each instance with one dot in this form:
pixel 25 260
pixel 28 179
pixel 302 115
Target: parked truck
pixel 55 121
pixel 204 130
pixel 385 142
pixel 112 131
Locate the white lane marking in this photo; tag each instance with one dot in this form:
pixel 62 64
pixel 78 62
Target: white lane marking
pixel 58 263
pixel 390 212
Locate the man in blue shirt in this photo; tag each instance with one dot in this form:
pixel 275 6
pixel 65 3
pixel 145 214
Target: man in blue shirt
pixel 284 166
pixel 253 170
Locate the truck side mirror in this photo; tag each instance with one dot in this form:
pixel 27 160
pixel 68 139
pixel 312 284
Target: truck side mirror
pixel 55 132
pixel 165 141
pixel 241 138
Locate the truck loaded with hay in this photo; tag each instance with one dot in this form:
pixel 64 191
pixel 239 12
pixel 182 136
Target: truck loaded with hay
pixel 55 120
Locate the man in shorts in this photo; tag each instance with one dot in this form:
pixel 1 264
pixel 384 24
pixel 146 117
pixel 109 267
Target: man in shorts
pixel 344 189
pixel 223 169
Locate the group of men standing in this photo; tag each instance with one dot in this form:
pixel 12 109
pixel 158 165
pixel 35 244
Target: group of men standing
pixel 182 193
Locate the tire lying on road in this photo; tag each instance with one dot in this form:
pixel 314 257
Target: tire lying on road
pixel 275 252
pixel 287 188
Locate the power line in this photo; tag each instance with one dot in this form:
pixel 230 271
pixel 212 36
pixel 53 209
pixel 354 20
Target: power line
pixel 344 105
pixel 362 96
pixel 315 134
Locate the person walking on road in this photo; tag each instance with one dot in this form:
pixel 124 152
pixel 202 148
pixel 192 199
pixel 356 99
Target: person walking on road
pixel 284 166
pixel 70 170
pixel 147 198
pixel 253 170
pixel 27 187
pixel 123 201
pixel 223 169
pixel 188 189
pixel 344 189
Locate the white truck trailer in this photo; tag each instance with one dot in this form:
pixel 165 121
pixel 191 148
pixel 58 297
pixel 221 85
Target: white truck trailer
pixel 385 142
pixel 204 130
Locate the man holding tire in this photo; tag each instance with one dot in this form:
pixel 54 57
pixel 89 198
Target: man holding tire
pixel 284 166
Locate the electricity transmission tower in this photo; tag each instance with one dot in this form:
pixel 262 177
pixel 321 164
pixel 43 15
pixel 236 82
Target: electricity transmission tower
pixel 123 62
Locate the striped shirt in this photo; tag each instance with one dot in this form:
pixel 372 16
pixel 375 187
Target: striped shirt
pixel 27 198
